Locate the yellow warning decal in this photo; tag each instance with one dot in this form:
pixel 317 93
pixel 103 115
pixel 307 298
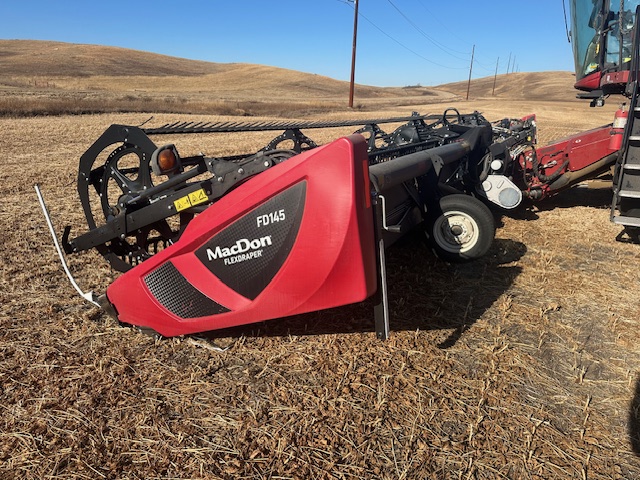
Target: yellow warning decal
pixel 194 198
pixel 198 197
pixel 182 203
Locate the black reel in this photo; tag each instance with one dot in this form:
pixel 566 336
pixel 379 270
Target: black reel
pixel 124 176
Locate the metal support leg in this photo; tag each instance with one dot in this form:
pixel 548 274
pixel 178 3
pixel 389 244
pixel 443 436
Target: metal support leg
pixel 381 309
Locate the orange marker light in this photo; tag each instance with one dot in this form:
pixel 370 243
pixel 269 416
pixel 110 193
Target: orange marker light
pixel 167 160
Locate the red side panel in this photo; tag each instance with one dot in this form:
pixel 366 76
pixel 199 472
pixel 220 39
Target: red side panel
pixel 596 80
pixel 582 150
pixel 615 78
pixel 296 238
pixel 588 83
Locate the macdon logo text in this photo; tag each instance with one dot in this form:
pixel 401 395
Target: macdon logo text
pixel 243 249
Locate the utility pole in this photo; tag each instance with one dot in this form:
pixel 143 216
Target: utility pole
pixel 495 75
pixel 353 53
pixel 470 69
pixel 509 63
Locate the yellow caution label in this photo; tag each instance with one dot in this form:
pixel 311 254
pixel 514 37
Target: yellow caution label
pixel 198 197
pixel 182 203
pixel 194 198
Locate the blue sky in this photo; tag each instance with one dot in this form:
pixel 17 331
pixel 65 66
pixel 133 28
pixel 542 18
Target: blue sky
pixel 400 42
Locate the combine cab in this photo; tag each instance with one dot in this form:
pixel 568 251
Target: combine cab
pixel 602 37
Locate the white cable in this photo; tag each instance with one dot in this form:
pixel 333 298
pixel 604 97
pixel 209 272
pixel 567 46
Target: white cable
pixel 89 296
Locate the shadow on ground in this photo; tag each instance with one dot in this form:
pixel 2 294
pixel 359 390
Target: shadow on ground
pixel 596 194
pixel 425 293
pixel 634 420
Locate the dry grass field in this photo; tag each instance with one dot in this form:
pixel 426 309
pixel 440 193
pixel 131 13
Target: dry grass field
pixel 522 365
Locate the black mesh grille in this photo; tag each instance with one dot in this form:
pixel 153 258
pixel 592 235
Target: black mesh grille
pixel 177 295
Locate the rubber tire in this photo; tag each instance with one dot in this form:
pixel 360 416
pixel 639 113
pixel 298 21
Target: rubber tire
pixel 472 217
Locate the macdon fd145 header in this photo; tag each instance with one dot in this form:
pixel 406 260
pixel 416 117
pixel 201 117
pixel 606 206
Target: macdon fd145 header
pixel 208 243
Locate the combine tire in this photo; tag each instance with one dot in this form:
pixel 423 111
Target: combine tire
pixel 462 229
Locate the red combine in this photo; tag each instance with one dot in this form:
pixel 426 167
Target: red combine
pixel 207 243
pixel 605 46
pixel 605 36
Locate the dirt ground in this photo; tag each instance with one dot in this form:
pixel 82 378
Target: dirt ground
pixel 522 365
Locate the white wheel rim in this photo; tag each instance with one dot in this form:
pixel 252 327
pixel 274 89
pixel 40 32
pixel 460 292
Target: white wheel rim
pixel 456 232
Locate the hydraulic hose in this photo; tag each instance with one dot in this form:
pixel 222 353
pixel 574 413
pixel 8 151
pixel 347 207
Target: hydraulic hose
pixel 542 177
pixel 486 165
pixel 591 171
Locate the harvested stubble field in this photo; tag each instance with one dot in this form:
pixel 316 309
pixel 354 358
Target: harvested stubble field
pixel 522 365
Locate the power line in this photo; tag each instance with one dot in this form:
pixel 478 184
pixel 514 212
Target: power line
pixel 453 34
pixel 442 47
pixel 435 42
pixel 360 14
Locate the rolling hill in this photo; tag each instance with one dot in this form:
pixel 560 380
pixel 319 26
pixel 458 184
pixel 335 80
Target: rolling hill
pixel 54 77
pixel 121 68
